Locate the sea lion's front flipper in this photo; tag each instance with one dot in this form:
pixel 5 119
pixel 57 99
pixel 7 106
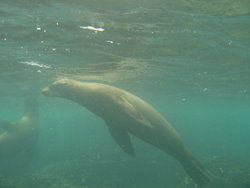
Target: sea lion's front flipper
pixel 122 138
pixel 132 111
pixel 7 126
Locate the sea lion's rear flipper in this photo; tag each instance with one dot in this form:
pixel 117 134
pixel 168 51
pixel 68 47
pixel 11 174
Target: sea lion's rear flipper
pixel 7 126
pixel 196 171
pixel 122 138
pixel 31 107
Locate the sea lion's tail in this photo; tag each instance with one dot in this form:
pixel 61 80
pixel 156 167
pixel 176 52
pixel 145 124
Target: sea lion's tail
pixel 201 176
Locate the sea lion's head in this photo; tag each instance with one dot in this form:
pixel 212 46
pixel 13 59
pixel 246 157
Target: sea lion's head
pixel 71 89
pixel 57 89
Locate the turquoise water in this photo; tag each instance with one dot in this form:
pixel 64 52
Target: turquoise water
pixel 189 59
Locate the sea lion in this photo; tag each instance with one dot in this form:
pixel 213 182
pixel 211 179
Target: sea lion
pixel 126 113
pixel 20 136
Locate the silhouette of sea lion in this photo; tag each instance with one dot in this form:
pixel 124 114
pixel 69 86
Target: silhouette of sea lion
pixel 22 135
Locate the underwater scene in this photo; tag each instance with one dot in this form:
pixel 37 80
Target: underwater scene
pixel 124 94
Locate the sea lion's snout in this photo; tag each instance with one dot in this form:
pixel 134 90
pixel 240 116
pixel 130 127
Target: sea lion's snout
pixel 46 91
pixel 56 89
pixel 50 91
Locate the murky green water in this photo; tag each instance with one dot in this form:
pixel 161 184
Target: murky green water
pixel 189 59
